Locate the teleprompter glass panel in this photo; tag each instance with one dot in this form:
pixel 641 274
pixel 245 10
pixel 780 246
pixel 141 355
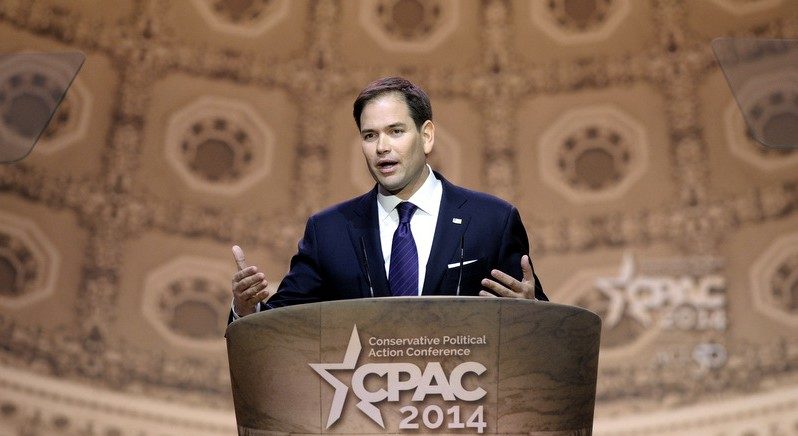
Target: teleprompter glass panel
pixel 32 85
pixel 763 77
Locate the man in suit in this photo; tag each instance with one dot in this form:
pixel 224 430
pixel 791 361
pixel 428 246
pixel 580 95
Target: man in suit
pixel 413 234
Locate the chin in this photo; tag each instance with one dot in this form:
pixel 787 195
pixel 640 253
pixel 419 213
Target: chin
pixel 388 182
pixel 390 187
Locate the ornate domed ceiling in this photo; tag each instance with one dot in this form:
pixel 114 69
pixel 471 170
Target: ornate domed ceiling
pixel 195 125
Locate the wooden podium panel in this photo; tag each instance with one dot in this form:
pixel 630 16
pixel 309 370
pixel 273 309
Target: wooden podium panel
pixel 443 365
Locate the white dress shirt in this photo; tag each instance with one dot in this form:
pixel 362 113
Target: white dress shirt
pixel 422 224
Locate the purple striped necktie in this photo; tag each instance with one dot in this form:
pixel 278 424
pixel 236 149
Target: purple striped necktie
pixel 403 272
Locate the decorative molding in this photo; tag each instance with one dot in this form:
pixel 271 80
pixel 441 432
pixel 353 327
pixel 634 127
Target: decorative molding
pixel 745 7
pixel 188 280
pixel 36 84
pixel 674 376
pixel 688 227
pixel 496 94
pixel 762 413
pixel 628 151
pixel 67 353
pixel 212 128
pixel 774 280
pixel 50 405
pixel 552 17
pixel 764 98
pixel 435 20
pixel 70 121
pixel 260 16
pixel 325 80
pixel 32 256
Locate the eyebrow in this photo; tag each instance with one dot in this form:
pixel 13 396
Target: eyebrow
pixel 389 126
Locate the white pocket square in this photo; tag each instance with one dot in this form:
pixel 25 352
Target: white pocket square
pixel 457 264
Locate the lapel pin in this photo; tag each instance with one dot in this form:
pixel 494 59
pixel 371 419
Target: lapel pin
pixel 457 220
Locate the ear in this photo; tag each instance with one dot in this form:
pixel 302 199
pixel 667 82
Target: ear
pixel 428 136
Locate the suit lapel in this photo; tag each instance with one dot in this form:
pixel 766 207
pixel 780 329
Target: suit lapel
pixel 364 230
pixel 449 230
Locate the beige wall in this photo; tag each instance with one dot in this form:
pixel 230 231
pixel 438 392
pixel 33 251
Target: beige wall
pixel 197 124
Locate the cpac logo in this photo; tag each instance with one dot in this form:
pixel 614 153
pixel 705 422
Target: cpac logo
pixel 398 377
pixel 683 301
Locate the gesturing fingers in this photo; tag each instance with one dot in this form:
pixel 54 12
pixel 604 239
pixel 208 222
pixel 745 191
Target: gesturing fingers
pixel 238 255
pixel 247 282
pixel 506 285
pixel 249 285
pixel 526 268
pixel 256 293
pixel 244 273
pixel 497 288
pixel 507 280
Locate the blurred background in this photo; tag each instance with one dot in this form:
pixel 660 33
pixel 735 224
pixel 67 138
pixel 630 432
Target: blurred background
pixel 198 124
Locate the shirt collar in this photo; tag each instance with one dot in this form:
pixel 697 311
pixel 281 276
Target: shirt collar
pixel 424 198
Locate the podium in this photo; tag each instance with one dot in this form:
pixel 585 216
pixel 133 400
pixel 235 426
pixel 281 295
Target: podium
pixel 421 365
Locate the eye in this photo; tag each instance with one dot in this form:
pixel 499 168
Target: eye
pixel 397 131
pixel 368 136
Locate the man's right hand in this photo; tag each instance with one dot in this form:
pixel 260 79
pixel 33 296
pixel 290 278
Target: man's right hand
pixel 249 285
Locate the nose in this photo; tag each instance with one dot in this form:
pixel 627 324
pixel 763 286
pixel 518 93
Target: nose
pixel 382 145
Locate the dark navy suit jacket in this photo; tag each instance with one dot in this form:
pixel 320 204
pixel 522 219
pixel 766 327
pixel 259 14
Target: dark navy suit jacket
pixel 340 241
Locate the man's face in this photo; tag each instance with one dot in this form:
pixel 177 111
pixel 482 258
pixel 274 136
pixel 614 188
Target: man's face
pixel 396 152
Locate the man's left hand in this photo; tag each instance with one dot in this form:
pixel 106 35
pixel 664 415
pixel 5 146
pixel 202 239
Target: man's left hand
pixel 508 286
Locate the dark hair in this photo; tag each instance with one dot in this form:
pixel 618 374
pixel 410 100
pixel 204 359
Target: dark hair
pixel 417 100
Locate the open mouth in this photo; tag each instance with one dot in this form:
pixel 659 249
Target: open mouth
pixel 387 166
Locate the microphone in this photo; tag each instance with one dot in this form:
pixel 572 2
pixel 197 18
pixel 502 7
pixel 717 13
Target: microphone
pixel 462 251
pixel 366 264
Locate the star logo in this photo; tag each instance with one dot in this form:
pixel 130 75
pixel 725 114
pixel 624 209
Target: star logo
pixel 613 288
pixel 341 389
